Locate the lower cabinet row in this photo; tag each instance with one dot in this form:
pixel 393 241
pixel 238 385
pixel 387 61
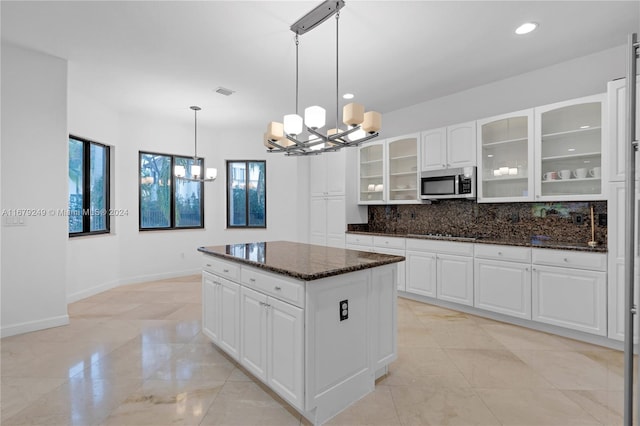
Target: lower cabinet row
pixel 558 287
pixel 271 336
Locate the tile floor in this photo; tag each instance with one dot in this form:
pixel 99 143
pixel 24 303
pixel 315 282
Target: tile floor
pixel 135 356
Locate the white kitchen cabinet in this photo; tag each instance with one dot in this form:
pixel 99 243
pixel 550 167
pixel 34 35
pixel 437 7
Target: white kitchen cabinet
pixel 221 314
pixel 371 173
pixel 327 174
pixel 618 238
pixel 449 147
pixel 455 278
pixel 570 159
pixel 421 273
pixel 502 279
pixel 617 114
pixel 394 246
pixel 327 221
pixel 505 158
pixel 402 169
pixel 569 289
pixel 384 319
pixel 272 343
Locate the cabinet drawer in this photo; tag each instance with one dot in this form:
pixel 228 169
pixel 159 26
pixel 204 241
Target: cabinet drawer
pixel 570 259
pixel 440 247
pixel 388 242
pixel 288 290
pixel 506 253
pixel 360 240
pixel 220 267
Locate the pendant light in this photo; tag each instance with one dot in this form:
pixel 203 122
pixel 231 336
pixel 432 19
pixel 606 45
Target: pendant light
pixel 289 136
pixel 180 172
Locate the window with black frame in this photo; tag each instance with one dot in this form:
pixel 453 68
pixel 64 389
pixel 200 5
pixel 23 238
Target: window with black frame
pixel 89 201
pixel 246 194
pixel 167 202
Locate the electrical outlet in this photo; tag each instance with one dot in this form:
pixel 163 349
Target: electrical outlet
pixel 602 219
pixel 343 306
pixel 578 219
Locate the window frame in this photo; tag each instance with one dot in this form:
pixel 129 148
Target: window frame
pixel 86 187
pixel 229 182
pixel 172 198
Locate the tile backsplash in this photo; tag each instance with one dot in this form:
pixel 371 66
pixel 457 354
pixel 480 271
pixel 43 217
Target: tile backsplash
pixel 558 222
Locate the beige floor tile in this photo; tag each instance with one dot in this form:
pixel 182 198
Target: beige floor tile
pixel 76 402
pixel 160 402
pixel 189 312
pixel 496 369
pixel 151 311
pixel 606 406
pixel 514 337
pixel 464 336
pixel 535 407
pixel 108 310
pixel 19 392
pixel 418 405
pixel 376 408
pixel 246 403
pixel 196 362
pixel 168 331
pixel 571 370
pixel 423 365
pixel 416 337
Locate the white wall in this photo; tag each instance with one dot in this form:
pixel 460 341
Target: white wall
pixel 583 76
pixel 128 255
pixel 34 176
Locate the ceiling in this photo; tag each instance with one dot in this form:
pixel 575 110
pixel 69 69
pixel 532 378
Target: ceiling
pixel 160 57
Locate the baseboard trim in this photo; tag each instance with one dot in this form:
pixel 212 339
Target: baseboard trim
pixel 29 326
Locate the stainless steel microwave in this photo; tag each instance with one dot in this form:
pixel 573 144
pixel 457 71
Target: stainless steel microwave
pixel 448 183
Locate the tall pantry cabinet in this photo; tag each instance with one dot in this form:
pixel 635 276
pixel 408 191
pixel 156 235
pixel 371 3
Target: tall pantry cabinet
pixel 327 205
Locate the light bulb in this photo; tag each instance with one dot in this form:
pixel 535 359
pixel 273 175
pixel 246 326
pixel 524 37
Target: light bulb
pixel 315 117
pixel 178 171
pixel 292 124
pixel 195 171
pixel 212 173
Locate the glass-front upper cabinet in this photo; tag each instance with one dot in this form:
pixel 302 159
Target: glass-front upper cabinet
pixel 505 156
pixel 371 172
pixel 569 154
pixel 402 154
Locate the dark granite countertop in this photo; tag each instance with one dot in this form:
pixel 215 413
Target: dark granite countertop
pixel 301 261
pixel 533 242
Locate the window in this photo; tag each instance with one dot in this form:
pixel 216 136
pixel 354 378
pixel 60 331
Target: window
pixel 166 202
pixel 88 187
pixel 246 194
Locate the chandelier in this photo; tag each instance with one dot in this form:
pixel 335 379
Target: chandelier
pixel 180 172
pixel 289 135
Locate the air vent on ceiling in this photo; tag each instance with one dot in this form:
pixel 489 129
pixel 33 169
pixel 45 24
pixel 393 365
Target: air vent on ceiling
pixel 224 91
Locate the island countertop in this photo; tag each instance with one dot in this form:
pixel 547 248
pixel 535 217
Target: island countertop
pixel 306 262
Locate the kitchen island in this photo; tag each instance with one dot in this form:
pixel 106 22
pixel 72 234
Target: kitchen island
pixel 316 324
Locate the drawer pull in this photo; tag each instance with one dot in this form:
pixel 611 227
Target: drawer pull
pixel 209 265
pixel 278 288
pixel 253 280
pixel 499 253
pixel 566 260
pixel 226 271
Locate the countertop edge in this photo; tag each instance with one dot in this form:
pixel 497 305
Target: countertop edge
pixel 300 276
pixel 471 240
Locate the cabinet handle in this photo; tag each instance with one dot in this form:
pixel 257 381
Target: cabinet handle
pixel 209 265
pixel 253 280
pixel 444 165
pixel 278 288
pixel 526 269
pixel 226 270
pixel 499 253
pixel 566 260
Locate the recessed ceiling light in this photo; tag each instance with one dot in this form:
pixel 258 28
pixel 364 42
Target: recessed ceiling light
pixel 224 91
pixel 348 96
pixel 526 28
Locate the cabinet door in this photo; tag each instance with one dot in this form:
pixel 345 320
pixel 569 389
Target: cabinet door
pixel 402 176
pixel 433 149
pixel 371 172
pixel 455 279
pixel 401 273
pixel 384 318
pixel 253 332
pixel 336 222
pixel 571 298
pixel 570 161
pixel 503 287
pixel 461 145
pixel 210 306
pixel 327 174
pixel 229 293
pixel 616 102
pixel 318 221
pixel 285 343
pixel 421 273
pixel 505 157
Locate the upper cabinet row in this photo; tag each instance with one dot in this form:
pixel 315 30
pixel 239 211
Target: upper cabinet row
pixel 550 153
